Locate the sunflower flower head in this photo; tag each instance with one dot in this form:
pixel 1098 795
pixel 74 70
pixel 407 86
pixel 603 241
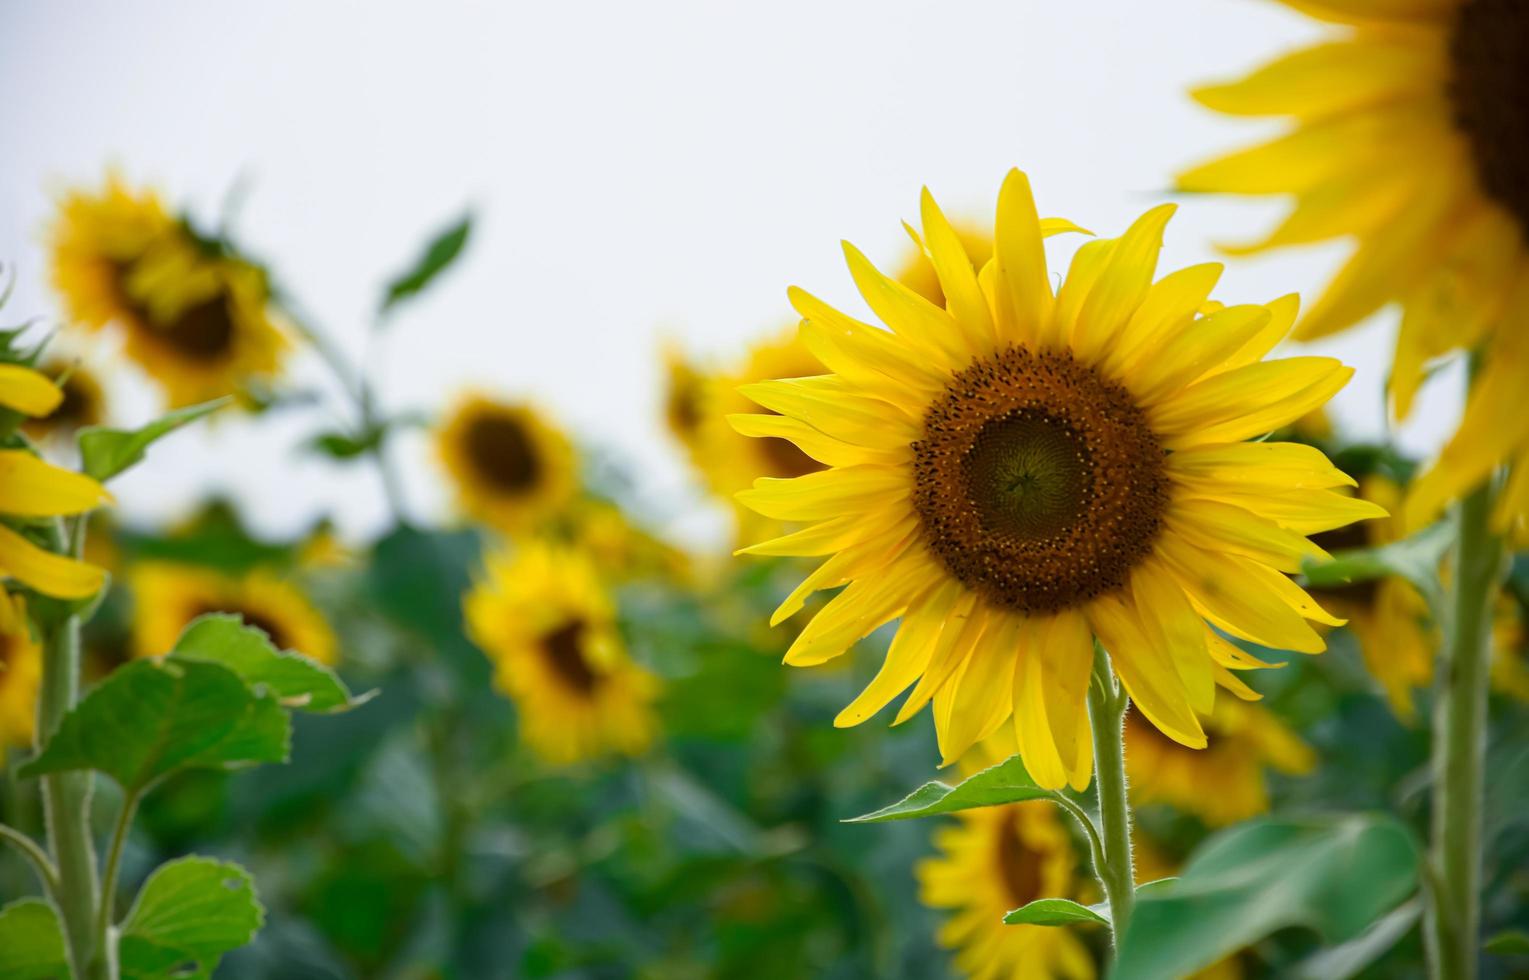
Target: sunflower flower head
pixel 512 469
pixel 194 317
pixel 169 596
pixel 1408 133
pixel 544 618
pixel 1021 472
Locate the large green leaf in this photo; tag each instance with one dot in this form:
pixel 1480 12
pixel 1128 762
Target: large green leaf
pixel 442 251
pixel 151 718
pixel 188 914
pixel 31 942
pixel 1415 559
pixel 1336 875
pixel 1055 912
pixel 296 681
pixel 107 452
pixel 1007 782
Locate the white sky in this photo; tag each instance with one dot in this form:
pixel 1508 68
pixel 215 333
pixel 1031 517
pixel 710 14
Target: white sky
pixel 640 170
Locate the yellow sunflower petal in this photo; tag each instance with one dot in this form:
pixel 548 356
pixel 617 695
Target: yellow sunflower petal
pixel 1257 467
pixel 1021 260
pixel 958 280
pixel 1148 672
pixel 862 348
pixel 30 487
pixel 1223 527
pixel 907 657
pixel 1174 628
pixel 821 447
pixel 1232 592
pixel 1171 302
pixel 917 321
pixel 1248 401
pixel 1123 283
pixel 963 628
pixel 982 696
pixel 46 572
pixel 1198 347
pixel 1361 12
pixel 819 496
pixel 1032 727
pixel 28 392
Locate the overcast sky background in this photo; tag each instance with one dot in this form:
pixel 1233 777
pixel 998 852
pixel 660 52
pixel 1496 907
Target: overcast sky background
pixel 639 171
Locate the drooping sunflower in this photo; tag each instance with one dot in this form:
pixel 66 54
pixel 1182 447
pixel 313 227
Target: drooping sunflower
pixel 544 618
pixel 169 596
pixel 20 676
pixel 1246 741
pixel 196 318
pixel 1021 472
pixel 994 860
pixel 511 468
pixel 31 488
pixel 1408 133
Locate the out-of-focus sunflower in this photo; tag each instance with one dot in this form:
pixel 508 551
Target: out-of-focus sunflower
pixel 31 488
pixel 1510 658
pixel 1408 133
pixel 994 860
pixel 1021 472
pixel 20 676
pixel 83 403
pixel 686 398
pixel 546 621
pixel 511 468
pixel 194 317
pixel 1226 781
pixel 619 548
pixel 167 597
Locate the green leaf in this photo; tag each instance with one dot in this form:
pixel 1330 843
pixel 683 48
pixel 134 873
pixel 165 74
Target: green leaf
pixel 1007 782
pixel 153 717
pixel 438 255
pixel 1513 942
pixel 107 452
pixel 1055 912
pixel 1416 559
pixel 188 914
pixel 293 679
pixel 1348 959
pixel 1336 875
pixel 340 445
pixel 31 942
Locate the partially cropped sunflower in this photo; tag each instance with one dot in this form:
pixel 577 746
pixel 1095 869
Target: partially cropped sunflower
pixel 168 597
pixel 544 618
pixel 1021 472
pixel 31 488
pixel 510 467
pixel 1408 132
pixel 194 317
pixel 1224 782
pixel 994 860
pixel 20 676
pixel 83 403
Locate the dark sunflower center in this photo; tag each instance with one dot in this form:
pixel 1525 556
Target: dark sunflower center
pixel 503 452
pixel 1039 483
pixel 203 331
pixel 564 651
pixel 1489 51
pixel 1018 863
pixel 271 626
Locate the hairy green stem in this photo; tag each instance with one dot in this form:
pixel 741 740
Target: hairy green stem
pixel 1459 744
pixel 1107 702
pixel 35 854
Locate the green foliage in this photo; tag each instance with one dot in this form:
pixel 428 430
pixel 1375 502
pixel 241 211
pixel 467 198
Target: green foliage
pixel 344 446
pixel 1007 782
pixel 186 917
pixel 1055 912
pixel 438 255
pixel 1335 875
pixel 291 678
pixel 1416 559
pixel 1511 942
pixel 31 942
pixel 107 452
pixel 152 718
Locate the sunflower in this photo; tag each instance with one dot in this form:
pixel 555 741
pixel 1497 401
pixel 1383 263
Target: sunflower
pixel 20 676
pixel 1245 741
pixel 83 403
pixel 994 860
pixel 31 488
pixel 512 469
pixel 620 549
pixel 1409 133
pixel 193 316
pixel 685 399
pixel 1019 473
pixel 544 618
pixel 169 596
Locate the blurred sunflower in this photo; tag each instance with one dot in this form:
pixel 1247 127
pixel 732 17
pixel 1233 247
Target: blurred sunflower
pixel 20 676
pixel 83 403
pixel 1245 742
pixel 193 316
pixel 544 618
pixel 1409 132
pixel 511 468
pixel 169 596
pixel 994 860
pixel 1510 658
pixel 31 488
pixel 685 400
pixel 1020 473
pixel 621 550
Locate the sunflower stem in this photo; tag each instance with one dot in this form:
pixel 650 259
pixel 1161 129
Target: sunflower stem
pixel 1107 702
pixel 1460 717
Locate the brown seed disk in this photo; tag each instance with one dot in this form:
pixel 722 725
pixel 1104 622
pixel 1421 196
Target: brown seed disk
pixel 1489 89
pixel 563 649
pixel 1039 483
pixel 503 453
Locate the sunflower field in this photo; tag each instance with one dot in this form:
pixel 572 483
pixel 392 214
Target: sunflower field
pixel 1030 609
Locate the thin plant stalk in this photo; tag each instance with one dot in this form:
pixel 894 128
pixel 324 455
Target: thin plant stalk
pixel 1107 701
